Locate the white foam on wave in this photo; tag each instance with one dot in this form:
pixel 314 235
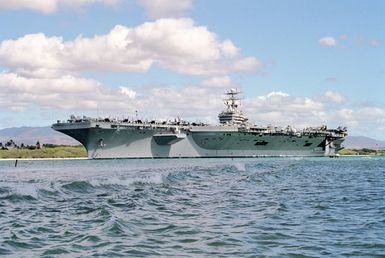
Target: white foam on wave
pixel 96 182
pixel 51 186
pixel 115 222
pixel 156 178
pixel 240 166
pixel 26 189
pixel 109 223
pixel 153 179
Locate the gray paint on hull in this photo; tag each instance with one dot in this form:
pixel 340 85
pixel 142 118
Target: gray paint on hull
pixel 139 143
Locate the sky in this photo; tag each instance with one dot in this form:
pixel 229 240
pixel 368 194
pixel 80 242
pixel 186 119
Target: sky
pixel 303 63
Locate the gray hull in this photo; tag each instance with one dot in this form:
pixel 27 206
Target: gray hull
pixel 137 141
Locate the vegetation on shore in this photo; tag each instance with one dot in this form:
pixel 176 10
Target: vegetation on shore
pixel 46 151
pixel 362 152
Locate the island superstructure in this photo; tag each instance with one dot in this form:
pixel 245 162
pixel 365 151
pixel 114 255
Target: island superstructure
pixel 234 136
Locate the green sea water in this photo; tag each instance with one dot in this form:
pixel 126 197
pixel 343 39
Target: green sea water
pixel 281 207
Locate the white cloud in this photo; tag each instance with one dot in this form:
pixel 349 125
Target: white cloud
pixel 19 93
pixel 229 50
pixel 63 93
pixel 335 97
pixel 127 91
pixel 83 96
pixel 364 119
pixel 34 55
pixel 275 95
pixel 328 41
pixel 174 44
pixel 280 108
pixel 218 81
pixel 64 84
pixel 371 112
pixel 165 8
pixel 50 6
pixel 345 114
pixel 196 102
pixel 193 103
pixel 47 6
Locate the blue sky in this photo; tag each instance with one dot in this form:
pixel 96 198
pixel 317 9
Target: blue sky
pixel 298 62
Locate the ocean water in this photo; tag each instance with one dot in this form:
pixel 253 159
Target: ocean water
pixel 282 207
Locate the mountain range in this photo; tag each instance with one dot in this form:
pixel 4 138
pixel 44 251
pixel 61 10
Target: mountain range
pixel 30 135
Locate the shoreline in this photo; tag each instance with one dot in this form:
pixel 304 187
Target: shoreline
pixel 77 158
pixel 86 158
pixel 341 155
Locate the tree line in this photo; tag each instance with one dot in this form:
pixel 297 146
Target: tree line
pixel 12 145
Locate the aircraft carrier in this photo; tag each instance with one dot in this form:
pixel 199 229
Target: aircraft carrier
pixel 234 136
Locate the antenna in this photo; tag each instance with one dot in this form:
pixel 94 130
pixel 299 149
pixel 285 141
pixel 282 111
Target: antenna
pixel 232 99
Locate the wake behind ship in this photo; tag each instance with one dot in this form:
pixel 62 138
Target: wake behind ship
pixel 233 137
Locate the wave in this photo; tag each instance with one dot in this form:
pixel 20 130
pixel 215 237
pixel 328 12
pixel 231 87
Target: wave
pixel 240 166
pixel 79 186
pixel 154 179
pixel 44 190
pixel 118 227
pixel 19 198
pixel 20 192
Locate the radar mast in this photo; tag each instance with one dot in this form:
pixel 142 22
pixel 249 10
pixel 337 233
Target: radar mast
pixel 233 99
pixel 232 115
